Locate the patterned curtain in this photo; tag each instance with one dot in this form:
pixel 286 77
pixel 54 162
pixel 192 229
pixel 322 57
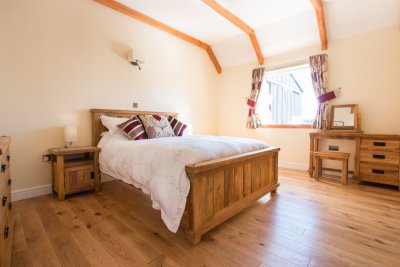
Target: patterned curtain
pixel 319 76
pixel 253 120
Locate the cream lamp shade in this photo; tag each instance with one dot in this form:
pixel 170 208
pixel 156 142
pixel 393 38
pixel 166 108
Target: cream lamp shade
pixel 70 134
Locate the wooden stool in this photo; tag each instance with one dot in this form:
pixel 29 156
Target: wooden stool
pixel 344 157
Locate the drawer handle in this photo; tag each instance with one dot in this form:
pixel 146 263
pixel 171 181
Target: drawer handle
pixel 91 175
pixel 9 182
pixel 10 206
pixel 8 158
pixel 3 201
pixel 379 143
pixel 3 167
pixel 6 229
pixel 377 156
pixel 378 171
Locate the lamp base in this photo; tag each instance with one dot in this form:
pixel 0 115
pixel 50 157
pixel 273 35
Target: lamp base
pixel 69 145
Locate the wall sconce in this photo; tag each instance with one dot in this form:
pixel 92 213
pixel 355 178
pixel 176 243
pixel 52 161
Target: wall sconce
pixel 70 134
pixel 136 58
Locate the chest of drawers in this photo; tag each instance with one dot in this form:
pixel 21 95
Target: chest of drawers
pixel 380 160
pixel 6 219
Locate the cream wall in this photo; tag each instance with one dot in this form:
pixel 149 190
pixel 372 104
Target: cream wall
pixel 366 67
pixel 59 58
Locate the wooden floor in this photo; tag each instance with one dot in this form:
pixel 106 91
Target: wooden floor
pixel 307 223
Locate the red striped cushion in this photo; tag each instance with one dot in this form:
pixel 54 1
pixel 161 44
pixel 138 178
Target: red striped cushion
pixel 177 126
pixel 133 129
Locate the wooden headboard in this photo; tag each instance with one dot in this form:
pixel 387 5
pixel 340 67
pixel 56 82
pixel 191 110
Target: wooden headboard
pixel 98 128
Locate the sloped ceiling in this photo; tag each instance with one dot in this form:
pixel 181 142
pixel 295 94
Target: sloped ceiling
pixel 280 25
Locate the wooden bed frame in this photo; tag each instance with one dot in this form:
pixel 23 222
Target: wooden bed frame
pixel 220 188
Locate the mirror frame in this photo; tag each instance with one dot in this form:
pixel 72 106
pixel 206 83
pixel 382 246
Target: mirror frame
pixel 356 126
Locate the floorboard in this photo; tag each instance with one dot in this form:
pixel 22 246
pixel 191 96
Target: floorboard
pixel 307 223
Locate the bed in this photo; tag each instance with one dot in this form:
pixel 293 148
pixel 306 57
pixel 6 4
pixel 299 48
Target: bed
pixel 219 188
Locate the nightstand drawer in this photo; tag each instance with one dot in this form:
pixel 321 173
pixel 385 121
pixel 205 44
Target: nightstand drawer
pixel 373 144
pixel 376 172
pixel 79 178
pixel 385 157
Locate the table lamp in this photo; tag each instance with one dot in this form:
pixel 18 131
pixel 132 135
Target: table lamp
pixel 70 134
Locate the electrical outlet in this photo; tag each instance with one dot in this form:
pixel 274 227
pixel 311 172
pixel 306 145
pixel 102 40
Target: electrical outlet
pixel 333 148
pixel 135 105
pixel 46 158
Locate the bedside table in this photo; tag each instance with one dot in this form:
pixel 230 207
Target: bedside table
pixel 75 169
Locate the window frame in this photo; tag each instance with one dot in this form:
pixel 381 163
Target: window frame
pixel 282 125
pixel 287 125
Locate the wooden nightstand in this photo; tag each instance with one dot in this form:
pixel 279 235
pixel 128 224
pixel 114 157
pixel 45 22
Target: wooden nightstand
pixel 75 169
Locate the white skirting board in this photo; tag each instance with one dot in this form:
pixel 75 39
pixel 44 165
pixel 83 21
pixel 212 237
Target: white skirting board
pixel 46 189
pixel 304 167
pixel 31 192
pixel 38 191
pixel 293 166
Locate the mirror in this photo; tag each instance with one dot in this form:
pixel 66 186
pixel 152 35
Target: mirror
pixel 344 117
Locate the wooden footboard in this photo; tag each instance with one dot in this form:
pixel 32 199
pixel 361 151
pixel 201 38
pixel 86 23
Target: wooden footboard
pixel 219 189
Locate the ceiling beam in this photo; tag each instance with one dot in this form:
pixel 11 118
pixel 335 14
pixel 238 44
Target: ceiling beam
pixel 161 26
pixel 319 11
pixel 240 24
pixel 213 59
pixel 256 47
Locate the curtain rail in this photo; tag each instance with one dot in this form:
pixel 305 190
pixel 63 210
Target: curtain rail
pixel 287 65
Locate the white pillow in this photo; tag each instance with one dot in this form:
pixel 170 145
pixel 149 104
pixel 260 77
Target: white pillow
pixel 111 122
pixel 188 130
pixel 108 137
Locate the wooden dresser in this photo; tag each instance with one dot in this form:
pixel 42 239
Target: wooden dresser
pixel 6 219
pixel 377 156
pixel 380 159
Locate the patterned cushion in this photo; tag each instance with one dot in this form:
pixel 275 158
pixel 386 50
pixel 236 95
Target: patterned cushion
pixel 133 129
pixel 177 126
pixel 156 126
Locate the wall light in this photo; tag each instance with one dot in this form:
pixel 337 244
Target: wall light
pixel 136 58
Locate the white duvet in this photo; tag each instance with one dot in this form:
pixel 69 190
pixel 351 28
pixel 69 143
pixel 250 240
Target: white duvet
pixel 157 166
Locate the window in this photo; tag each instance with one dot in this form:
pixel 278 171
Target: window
pixel 287 97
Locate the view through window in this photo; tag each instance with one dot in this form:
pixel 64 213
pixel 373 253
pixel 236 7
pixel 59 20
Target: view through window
pixel 287 97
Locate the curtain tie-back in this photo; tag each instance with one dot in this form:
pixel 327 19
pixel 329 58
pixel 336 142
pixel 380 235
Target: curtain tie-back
pixel 328 96
pixel 251 103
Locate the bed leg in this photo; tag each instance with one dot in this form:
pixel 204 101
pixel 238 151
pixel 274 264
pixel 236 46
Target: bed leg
pixel 194 238
pixel 274 191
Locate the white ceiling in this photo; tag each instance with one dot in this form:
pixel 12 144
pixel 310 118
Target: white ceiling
pixel 280 25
